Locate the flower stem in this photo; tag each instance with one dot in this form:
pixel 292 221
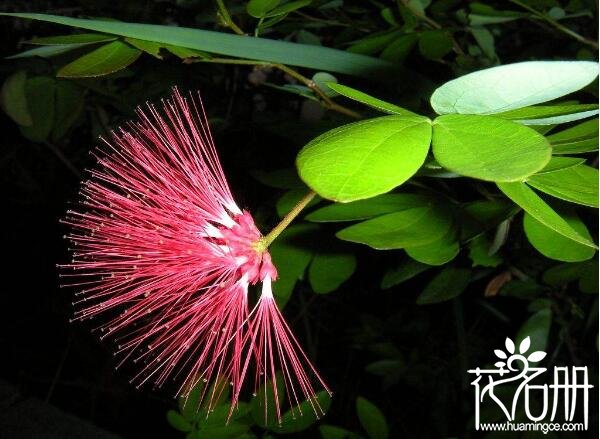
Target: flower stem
pixel 264 243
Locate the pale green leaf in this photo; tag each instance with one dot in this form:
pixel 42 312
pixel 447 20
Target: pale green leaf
pixel 550 114
pixel 512 86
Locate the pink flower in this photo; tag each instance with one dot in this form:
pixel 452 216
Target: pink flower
pixel 163 254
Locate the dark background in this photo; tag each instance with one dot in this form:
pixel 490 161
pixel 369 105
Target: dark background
pixel 43 356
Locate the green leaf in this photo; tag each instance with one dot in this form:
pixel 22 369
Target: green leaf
pixel 369 208
pixel 259 8
pixel 412 227
pixel 485 40
pixel 559 163
pixel 334 432
pixel 408 269
pixel 479 253
pixel 69 102
pixel 525 197
pixel 322 80
pixel 371 419
pixel 291 198
pixel 291 256
pixel 40 94
pixel 370 101
pixel 438 252
pixel 47 51
pixel 447 284
pixel 149 47
pixel 328 270
pixel 178 422
pixel 288 7
pixel 59 40
pixel 189 404
pixel 302 416
pixel 537 328
pixel 482 215
pixel 107 59
pixel 512 86
pixel 374 43
pixel 550 114
pixel 262 406
pixel 315 57
pixel 579 139
pixel 563 274
pixel 555 246
pixel 434 44
pixel 398 50
pixel 576 184
pixel 488 148
pixel 14 100
pixel 366 158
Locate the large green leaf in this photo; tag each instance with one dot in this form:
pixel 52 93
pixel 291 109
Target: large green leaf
pixel 364 209
pixel 370 101
pixel 577 184
pixel 304 55
pixel 525 197
pixel 555 246
pixel 364 159
pixel 550 114
pixel 575 140
pixel 512 86
pixel 329 269
pixel 447 284
pixel 371 419
pixel 488 148
pixel 412 227
pixel 106 59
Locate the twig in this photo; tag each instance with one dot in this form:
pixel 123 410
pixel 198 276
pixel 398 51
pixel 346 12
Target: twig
pixel 58 153
pixel 431 22
pixel 325 100
pixel 556 24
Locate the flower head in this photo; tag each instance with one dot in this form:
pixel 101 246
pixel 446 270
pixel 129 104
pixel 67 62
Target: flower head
pixel 165 257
